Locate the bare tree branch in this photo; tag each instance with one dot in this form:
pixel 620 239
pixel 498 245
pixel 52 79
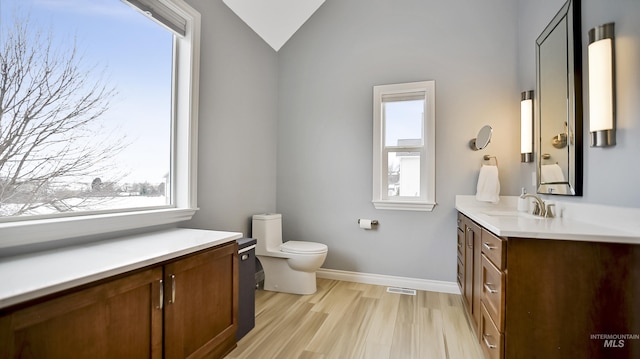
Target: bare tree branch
pixel 49 108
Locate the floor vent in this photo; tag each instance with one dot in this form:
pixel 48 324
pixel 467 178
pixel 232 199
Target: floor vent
pixel 404 291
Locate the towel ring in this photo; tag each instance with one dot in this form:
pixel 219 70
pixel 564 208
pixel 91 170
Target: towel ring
pixel 487 158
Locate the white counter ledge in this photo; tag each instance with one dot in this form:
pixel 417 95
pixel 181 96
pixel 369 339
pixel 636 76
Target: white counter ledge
pixel 34 275
pixel 579 222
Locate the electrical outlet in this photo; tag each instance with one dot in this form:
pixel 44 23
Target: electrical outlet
pixel 533 179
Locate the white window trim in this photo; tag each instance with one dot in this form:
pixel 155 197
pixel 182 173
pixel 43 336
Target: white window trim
pixel 184 170
pixel 427 167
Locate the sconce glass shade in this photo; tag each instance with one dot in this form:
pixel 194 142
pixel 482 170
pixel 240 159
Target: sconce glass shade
pixel 526 126
pixel 601 86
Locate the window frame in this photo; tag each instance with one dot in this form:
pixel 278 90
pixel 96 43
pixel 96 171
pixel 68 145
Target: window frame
pixel 427 199
pixel 184 146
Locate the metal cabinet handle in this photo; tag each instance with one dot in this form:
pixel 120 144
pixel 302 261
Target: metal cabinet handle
pixel 488 246
pixel 489 289
pixel 486 342
pixel 173 289
pixel 161 303
pixel 470 245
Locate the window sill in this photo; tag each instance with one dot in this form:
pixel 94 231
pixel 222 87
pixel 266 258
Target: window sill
pixel 22 233
pixel 404 206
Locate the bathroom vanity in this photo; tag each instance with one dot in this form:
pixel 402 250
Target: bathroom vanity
pixel 170 294
pixel 549 287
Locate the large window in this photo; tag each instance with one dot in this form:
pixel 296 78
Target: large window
pixel 404 146
pixel 98 115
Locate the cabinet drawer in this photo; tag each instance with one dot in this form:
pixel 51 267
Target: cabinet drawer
pixel 493 248
pixel 491 341
pixel 493 285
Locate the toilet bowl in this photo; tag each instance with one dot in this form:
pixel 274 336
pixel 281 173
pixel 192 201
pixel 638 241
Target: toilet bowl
pixel 289 267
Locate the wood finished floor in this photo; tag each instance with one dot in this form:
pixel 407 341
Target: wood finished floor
pixel 350 320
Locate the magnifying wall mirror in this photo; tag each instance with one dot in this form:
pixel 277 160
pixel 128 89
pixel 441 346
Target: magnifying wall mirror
pixel 482 139
pixel 559 104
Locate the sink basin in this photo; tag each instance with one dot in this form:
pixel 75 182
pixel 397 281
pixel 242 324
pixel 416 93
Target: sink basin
pixel 510 213
pixel 503 213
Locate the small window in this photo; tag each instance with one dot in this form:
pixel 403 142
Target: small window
pixel 404 146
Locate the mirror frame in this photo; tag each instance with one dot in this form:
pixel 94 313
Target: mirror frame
pixel 571 11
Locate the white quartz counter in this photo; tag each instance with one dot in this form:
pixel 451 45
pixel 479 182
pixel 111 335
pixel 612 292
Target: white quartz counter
pixel 34 275
pixel 573 221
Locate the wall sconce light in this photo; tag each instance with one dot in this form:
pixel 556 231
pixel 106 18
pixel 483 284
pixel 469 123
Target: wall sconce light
pixel 526 126
pixel 601 86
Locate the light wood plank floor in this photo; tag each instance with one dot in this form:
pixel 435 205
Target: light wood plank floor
pixel 350 320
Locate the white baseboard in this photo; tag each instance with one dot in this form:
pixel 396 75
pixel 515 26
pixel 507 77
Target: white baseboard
pixel 387 280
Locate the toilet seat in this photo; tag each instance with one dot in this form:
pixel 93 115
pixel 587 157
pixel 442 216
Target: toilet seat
pixel 299 247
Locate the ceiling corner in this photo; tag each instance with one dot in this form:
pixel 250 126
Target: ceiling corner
pixel 275 21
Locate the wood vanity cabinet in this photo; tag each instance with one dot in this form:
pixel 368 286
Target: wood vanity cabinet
pixel 469 265
pixel 492 294
pixel 117 319
pixel 461 255
pixel 186 308
pixel 201 296
pixel 542 298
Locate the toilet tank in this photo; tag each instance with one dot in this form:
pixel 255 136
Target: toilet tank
pixel 267 230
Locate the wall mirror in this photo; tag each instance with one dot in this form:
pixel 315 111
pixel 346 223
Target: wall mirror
pixel 482 139
pixel 559 104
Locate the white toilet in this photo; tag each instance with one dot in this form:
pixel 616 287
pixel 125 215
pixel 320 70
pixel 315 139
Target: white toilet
pixel 289 267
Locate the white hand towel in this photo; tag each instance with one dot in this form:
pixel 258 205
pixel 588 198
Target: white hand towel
pixel 488 189
pixel 553 173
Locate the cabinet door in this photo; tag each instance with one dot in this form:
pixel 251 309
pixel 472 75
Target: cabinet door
pixel 477 272
pixel 117 319
pixel 461 250
pixel 201 294
pixel 468 267
pixel 472 268
pixel 572 299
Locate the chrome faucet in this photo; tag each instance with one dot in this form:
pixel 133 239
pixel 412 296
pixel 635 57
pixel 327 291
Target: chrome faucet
pixel 539 209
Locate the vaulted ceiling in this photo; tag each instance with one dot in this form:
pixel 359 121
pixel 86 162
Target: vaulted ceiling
pixel 274 20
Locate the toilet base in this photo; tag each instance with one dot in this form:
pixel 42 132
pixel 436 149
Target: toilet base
pixel 280 277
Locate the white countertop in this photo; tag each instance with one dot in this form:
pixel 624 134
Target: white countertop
pixel 34 275
pixel 575 222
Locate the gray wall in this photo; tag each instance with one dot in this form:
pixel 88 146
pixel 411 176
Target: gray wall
pixel 326 74
pixel 310 107
pixel 611 175
pixel 237 125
